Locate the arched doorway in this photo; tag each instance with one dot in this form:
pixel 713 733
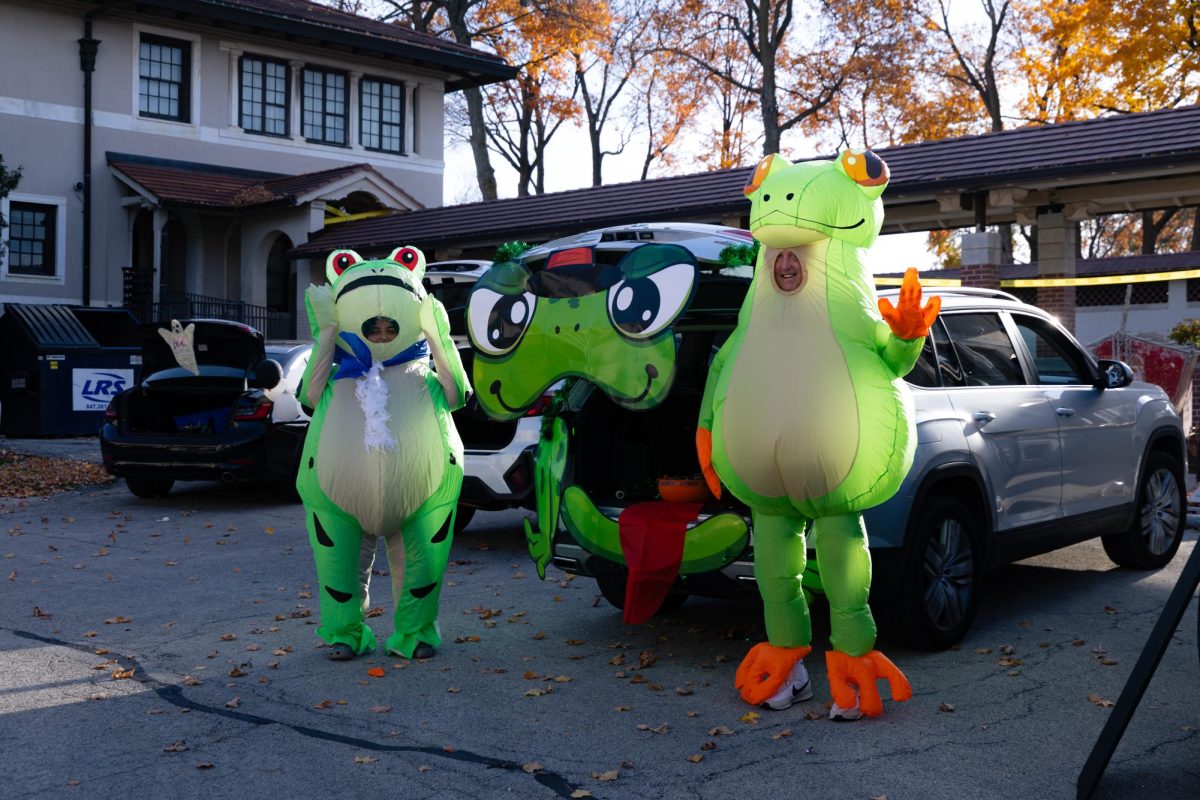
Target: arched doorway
pixel 281 291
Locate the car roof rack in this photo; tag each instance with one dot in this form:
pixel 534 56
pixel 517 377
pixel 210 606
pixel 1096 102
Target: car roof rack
pixel 974 291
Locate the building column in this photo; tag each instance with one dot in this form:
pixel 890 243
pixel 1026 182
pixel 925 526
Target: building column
pixel 353 110
pixel 160 222
pixel 981 257
pixel 1056 238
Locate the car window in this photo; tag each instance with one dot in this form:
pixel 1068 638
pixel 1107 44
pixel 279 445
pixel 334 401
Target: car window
pixel 1056 361
pixel 924 373
pixel 451 293
pixel 947 360
pixel 985 352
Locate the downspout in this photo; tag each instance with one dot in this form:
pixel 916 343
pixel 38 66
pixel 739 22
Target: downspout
pixel 87 62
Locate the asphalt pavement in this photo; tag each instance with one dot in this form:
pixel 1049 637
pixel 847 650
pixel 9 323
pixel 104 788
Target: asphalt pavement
pixel 154 648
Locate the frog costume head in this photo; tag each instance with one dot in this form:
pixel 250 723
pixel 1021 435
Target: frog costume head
pixel 584 313
pixel 376 322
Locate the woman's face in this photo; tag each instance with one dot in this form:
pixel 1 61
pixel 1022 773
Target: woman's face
pixel 381 330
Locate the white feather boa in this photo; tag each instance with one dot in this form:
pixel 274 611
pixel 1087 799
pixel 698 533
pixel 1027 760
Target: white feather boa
pixel 372 394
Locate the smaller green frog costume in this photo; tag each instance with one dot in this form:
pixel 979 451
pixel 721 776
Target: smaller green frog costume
pixel 382 456
pixel 806 418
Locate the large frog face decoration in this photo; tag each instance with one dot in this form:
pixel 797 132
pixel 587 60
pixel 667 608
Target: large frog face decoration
pixel 599 315
pixel 378 302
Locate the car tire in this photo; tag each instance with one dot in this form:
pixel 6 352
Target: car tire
pixel 938 589
pixel 612 589
pixel 149 487
pixel 461 521
pixel 1161 513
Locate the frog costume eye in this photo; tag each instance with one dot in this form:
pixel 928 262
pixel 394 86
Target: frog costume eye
pixel 496 322
pixel 641 307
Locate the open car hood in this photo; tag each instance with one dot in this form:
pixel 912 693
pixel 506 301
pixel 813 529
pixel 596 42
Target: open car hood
pixel 215 343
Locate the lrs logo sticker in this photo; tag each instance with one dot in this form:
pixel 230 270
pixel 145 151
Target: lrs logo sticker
pixel 91 389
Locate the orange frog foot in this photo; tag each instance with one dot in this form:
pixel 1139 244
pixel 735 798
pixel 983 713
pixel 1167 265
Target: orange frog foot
pixel 856 675
pixel 908 319
pixel 764 669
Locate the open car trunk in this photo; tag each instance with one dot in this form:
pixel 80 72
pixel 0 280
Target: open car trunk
pixel 619 454
pixel 173 399
pixel 200 404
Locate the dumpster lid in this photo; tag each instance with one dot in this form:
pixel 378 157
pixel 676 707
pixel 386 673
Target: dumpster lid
pixel 215 342
pixel 51 326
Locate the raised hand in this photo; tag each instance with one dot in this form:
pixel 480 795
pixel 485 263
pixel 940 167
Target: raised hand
pixel 321 306
pixel 851 675
pixel 908 319
pixel 764 670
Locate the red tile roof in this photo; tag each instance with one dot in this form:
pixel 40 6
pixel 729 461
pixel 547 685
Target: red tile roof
pixel 183 183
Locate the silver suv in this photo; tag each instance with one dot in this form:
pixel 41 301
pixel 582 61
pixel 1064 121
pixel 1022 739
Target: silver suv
pixel 1025 444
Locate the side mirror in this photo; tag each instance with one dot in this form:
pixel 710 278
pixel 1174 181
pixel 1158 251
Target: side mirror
pixel 268 373
pixel 1114 375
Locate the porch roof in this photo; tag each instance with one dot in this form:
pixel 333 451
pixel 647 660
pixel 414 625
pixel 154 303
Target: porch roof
pixel 166 182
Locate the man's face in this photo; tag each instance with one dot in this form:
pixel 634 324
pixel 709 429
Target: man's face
pixel 788 271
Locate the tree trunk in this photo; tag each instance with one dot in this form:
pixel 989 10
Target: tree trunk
pixel 484 174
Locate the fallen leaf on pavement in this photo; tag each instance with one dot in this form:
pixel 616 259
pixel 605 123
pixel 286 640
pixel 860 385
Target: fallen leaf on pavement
pixel 783 734
pixel 611 775
pixel 424 768
pixel 118 620
pixel 380 709
pixel 324 704
pixel 365 759
pixel 946 708
pixel 532 767
pixel 377 672
pixel 720 730
pixel 750 717
pixel 579 794
pixel 122 674
pixel 176 747
pixel 205 765
pixel 234 703
pixel 1100 701
pixel 696 758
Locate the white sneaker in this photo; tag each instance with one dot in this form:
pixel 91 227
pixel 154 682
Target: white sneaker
pixel 797 688
pixel 839 714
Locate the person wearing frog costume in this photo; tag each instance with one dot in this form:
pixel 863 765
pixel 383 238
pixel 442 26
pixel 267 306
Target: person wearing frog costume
pixel 382 456
pixel 806 418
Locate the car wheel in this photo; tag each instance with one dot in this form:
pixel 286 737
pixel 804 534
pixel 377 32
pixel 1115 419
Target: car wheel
pixel 612 589
pixel 149 487
pixel 461 521
pixel 938 590
pixel 1157 529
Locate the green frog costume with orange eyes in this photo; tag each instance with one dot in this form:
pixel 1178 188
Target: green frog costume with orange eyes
pixel 806 418
pixel 382 457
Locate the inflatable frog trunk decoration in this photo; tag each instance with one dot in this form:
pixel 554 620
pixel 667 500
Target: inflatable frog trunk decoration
pixel 806 418
pixel 382 456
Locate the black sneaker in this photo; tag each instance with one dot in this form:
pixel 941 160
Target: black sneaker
pixel 423 650
pixel 341 652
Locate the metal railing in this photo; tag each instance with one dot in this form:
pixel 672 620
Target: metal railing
pixel 273 324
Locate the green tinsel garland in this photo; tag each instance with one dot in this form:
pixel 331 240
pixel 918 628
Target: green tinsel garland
pixel 739 255
pixel 510 251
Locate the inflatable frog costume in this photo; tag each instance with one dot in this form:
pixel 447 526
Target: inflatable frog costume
pixel 382 456
pixel 805 418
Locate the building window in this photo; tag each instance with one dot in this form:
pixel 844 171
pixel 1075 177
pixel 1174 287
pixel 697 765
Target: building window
pixel 324 106
pixel 32 239
pixel 382 115
pixel 164 69
pixel 264 95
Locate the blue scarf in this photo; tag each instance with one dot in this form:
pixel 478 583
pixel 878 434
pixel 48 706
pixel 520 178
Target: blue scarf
pixel 357 363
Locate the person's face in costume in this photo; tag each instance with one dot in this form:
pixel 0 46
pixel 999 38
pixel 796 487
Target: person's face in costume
pixel 381 330
pixel 788 272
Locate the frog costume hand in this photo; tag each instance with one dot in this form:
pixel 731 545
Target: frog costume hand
pixel 382 456
pixel 806 418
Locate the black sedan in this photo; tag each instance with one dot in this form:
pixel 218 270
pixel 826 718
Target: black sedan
pixel 210 405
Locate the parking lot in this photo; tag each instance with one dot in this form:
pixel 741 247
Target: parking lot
pixel 154 646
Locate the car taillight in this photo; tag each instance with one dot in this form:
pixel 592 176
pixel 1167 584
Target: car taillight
pixel 256 414
pixel 110 413
pixel 540 406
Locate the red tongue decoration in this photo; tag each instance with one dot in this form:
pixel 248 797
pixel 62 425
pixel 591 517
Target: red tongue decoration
pixel 652 542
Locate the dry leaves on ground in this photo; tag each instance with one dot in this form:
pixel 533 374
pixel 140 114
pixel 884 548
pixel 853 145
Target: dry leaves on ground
pixel 23 475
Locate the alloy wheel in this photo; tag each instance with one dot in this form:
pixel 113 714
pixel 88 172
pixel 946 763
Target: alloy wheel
pixel 948 569
pixel 1160 511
